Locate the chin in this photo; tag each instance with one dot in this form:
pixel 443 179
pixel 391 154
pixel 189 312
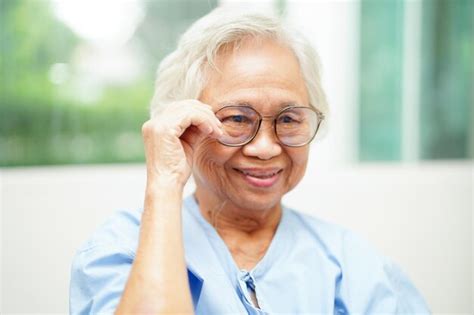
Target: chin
pixel 255 201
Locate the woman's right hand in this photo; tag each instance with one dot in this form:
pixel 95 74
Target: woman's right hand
pixel 158 281
pixel 171 136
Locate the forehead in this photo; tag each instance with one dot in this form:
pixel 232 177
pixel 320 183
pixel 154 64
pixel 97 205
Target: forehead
pixel 264 74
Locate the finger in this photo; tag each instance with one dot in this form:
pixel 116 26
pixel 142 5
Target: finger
pixel 202 121
pixel 209 124
pixel 215 122
pixel 194 112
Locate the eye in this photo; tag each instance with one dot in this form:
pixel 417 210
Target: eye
pixel 239 119
pixel 287 119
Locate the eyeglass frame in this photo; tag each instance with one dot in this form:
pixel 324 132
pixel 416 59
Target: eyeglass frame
pixel 320 115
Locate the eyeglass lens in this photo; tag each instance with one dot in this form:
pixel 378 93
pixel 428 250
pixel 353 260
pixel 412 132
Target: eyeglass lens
pixel 294 126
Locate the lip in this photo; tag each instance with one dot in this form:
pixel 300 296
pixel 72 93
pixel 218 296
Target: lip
pixel 260 177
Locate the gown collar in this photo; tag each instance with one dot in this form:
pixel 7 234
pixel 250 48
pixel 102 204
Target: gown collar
pixel 278 247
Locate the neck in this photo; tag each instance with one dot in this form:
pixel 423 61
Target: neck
pixel 246 232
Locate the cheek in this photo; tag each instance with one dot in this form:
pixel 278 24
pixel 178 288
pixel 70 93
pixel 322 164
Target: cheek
pixel 299 160
pixel 209 160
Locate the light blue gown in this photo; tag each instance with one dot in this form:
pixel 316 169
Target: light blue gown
pixel 311 267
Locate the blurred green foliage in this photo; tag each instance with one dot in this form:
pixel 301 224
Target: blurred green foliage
pixel 42 123
pixel 39 123
pixel 29 38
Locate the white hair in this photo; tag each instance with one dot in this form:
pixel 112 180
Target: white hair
pixel 181 75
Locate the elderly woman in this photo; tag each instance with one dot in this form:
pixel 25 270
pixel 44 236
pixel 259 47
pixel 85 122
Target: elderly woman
pixel 236 106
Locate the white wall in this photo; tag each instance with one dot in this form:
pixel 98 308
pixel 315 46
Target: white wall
pixel 419 215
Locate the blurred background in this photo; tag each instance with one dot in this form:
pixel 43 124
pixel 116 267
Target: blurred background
pixel 76 78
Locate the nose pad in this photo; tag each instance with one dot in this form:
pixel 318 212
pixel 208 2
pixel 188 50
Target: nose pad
pixel 264 126
pixel 267 129
pixel 265 145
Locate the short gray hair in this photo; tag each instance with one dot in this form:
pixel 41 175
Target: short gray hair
pixel 181 75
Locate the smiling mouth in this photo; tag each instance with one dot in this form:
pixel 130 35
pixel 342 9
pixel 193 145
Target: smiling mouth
pixel 258 174
pixel 260 178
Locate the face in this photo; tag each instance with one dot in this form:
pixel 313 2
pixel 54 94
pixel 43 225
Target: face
pixel 266 76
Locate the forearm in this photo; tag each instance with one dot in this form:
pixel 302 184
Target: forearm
pixel 158 281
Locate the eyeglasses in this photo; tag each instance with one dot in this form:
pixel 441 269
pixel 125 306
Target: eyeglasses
pixel 294 126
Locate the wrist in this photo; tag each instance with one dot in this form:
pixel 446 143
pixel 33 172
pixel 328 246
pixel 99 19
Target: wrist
pixel 164 185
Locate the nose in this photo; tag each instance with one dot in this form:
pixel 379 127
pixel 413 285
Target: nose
pixel 265 145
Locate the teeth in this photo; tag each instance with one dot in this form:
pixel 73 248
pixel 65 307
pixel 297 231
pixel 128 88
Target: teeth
pixel 259 175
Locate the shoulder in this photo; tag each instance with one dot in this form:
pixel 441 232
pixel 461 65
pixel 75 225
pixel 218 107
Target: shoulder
pixel 338 240
pixel 327 235
pixel 101 265
pixel 368 281
pixel 120 230
pixel 353 253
